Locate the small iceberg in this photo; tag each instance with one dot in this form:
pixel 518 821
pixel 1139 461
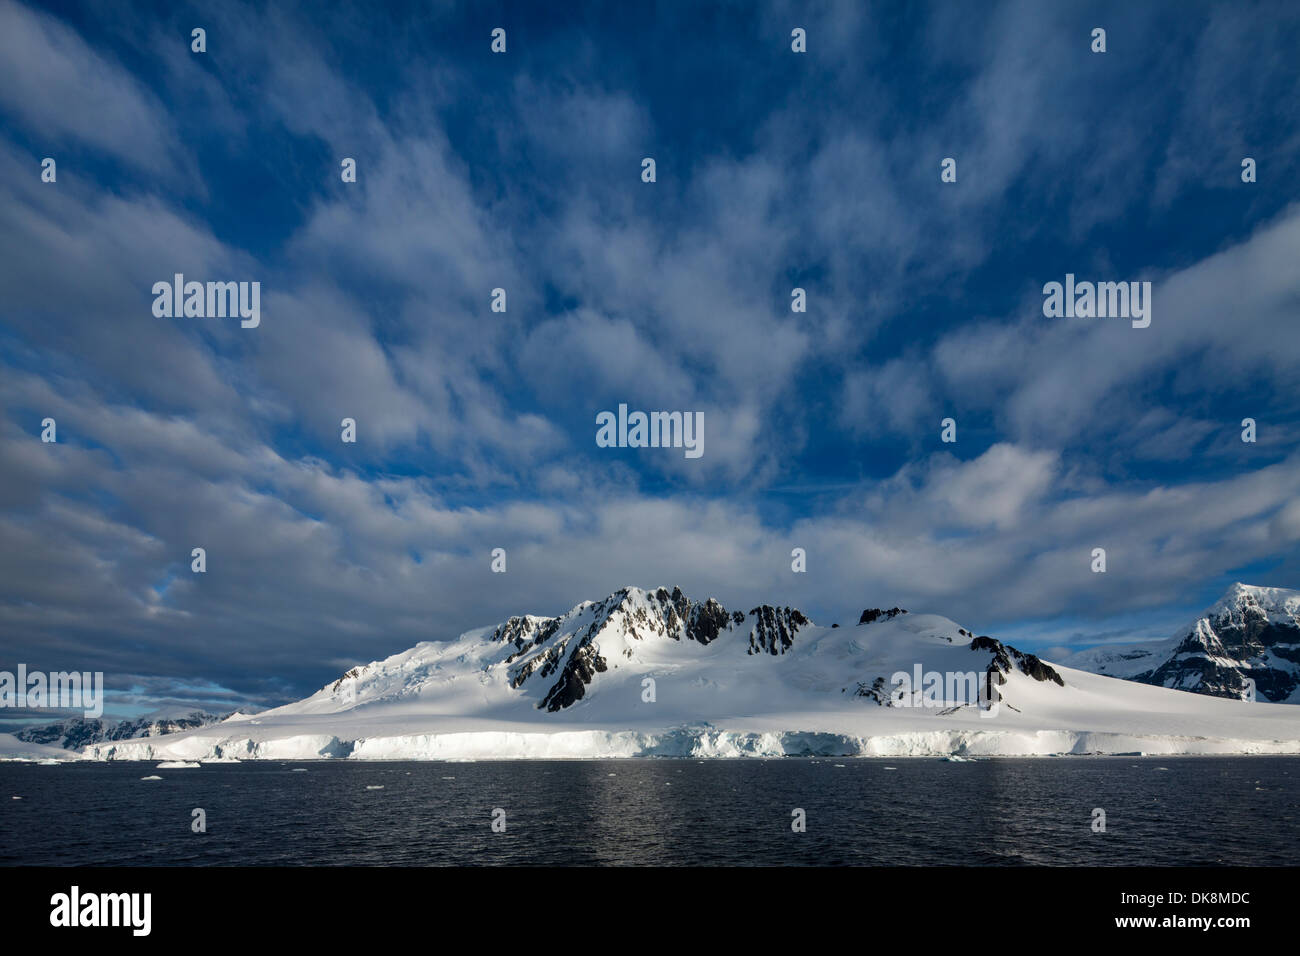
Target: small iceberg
pixel 151 778
pixel 957 758
pixel 48 762
pixel 177 765
pixel 379 787
pixel 298 770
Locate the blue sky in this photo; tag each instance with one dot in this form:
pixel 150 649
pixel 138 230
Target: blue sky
pixel 522 171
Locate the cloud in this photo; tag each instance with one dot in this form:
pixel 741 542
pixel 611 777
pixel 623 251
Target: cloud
pixel 310 563
pixel 61 88
pixel 476 428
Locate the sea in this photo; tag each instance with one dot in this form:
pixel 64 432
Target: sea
pixel 1088 811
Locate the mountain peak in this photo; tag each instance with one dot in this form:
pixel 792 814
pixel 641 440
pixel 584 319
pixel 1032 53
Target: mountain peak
pixel 576 646
pixel 1245 645
pixel 1277 603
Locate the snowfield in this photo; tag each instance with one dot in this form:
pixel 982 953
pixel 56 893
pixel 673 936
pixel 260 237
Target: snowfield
pixel 650 673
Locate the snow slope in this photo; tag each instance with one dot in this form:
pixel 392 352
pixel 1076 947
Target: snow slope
pixel 653 673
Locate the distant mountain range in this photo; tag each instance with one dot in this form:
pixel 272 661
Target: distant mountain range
pixel 654 673
pixel 76 733
pixel 1249 640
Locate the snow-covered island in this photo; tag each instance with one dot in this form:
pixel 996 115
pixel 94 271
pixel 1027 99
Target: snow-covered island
pixel 653 673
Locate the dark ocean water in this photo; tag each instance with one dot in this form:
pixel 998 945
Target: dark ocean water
pixel 1240 811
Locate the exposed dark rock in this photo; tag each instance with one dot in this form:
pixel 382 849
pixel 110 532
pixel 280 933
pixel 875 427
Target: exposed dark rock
pixel 774 629
pixel 874 614
pixel 583 665
pixel 878 691
pixel 1036 668
pixel 355 672
pixel 707 621
pixel 1003 654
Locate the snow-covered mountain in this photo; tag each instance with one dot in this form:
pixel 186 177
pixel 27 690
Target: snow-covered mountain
pixel 77 733
pixel 655 673
pixel 1250 634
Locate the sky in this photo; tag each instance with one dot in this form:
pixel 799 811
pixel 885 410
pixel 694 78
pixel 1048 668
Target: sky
pixel 522 170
